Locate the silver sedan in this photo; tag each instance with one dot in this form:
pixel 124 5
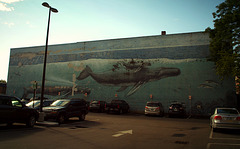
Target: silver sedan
pixel 228 118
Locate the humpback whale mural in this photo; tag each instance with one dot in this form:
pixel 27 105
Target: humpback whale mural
pixel 124 79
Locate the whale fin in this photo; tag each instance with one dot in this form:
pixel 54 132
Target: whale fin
pixel 135 88
pixel 85 73
pixel 122 88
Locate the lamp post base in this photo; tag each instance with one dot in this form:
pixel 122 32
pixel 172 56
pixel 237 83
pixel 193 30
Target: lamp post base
pixel 41 116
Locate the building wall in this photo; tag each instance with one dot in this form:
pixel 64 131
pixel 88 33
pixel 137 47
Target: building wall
pixel 169 67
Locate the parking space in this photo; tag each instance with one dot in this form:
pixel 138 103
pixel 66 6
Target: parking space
pixel 224 139
pixel 101 130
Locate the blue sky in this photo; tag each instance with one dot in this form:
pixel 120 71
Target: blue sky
pixel 23 23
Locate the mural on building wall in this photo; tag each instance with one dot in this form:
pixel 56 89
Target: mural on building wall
pixel 133 74
pixel 170 68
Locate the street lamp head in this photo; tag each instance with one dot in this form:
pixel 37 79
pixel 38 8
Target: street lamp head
pixel 54 10
pixel 45 4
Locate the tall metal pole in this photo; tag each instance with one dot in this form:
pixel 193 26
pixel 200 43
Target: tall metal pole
pixel 45 61
pixel 41 114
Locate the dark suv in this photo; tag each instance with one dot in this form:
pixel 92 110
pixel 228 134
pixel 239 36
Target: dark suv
pixel 13 110
pixel 120 106
pixel 62 109
pixel 177 109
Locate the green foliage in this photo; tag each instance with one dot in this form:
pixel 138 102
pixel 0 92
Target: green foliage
pixel 3 81
pixel 225 43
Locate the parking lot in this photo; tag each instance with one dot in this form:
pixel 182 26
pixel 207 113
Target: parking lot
pixel 101 130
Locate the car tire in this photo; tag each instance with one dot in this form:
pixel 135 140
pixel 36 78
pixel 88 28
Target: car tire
pixel 214 129
pixel 120 111
pixel 31 121
pixel 82 117
pixel 9 124
pixel 61 118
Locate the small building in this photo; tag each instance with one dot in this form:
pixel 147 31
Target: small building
pixel 3 88
pixel 166 68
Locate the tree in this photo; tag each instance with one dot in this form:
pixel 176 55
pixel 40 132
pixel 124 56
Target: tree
pixel 225 39
pixel 3 81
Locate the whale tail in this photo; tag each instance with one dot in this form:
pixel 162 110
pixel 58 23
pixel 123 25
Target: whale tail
pixel 85 73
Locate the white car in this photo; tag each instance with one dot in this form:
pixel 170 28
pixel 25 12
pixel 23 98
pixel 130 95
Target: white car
pixel 227 118
pixel 154 108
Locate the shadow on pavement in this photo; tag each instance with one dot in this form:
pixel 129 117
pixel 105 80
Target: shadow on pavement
pixel 235 132
pixel 17 131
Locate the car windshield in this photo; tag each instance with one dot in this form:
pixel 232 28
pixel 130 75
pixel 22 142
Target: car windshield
pixel 116 101
pixel 176 105
pixel 35 103
pixel 60 103
pixel 153 104
pixel 227 111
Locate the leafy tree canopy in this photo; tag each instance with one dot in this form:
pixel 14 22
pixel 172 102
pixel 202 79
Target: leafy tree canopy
pixel 3 81
pixel 225 43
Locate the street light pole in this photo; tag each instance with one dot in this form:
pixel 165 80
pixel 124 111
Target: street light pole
pixel 45 4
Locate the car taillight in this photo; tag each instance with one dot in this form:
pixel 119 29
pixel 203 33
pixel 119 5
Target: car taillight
pixel 99 102
pixel 118 106
pixel 146 107
pixel 157 108
pixel 238 118
pixel 217 117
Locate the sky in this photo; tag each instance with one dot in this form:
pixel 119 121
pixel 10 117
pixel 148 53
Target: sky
pixel 23 23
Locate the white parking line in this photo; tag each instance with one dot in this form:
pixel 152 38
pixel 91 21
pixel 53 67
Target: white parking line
pixel 211 134
pixel 209 144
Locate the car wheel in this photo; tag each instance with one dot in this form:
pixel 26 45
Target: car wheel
pixel 82 117
pixel 214 129
pixel 9 124
pixel 31 121
pixel 161 114
pixel 61 119
pixel 120 111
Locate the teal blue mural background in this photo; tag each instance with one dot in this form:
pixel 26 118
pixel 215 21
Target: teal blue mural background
pixel 187 52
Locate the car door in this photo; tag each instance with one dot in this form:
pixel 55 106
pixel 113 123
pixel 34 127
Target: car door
pixel 17 110
pixel 5 109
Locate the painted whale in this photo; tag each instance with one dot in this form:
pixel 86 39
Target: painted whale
pixel 129 78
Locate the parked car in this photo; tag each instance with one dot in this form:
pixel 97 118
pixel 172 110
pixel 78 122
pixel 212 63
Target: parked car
pixel 228 118
pixel 36 103
pixel 13 110
pixel 177 109
pixel 154 108
pixel 97 105
pixel 119 106
pixel 63 109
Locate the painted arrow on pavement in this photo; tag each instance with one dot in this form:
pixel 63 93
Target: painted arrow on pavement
pixel 120 133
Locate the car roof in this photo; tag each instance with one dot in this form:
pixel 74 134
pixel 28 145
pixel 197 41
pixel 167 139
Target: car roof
pixel 72 99
pixel 227 108
pixel 9 96
pixel 153 102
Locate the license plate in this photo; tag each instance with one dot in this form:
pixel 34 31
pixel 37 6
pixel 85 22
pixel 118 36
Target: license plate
pixel 228 118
